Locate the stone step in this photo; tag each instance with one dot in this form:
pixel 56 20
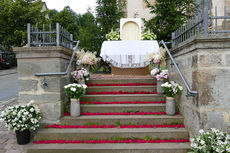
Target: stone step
pixel 85 134
pixel 109 148
pixel 122 119
pixel 105 108
pixel 121 88
pixel 121 80
pixel 124 97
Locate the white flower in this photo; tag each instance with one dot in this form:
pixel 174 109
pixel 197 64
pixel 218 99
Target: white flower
pixel 201 131
pixel 202 142
pixel 84 86
pixel 73 89
pixel 32 109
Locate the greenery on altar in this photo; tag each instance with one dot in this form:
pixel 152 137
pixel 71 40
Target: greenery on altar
pixel 169 16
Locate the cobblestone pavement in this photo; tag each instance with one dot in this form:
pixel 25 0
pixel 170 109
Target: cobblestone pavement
pixel 8 142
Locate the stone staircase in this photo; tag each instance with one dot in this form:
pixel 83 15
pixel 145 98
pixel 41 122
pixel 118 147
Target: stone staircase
pixel 70 134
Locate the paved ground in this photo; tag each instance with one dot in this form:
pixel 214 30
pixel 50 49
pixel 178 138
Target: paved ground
pixel 8 97
pixel 8 84
pixel 7 139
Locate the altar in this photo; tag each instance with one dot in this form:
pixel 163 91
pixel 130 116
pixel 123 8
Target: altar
pixel 128 56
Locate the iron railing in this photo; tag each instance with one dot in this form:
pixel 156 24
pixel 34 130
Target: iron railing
pixel 49 36
pixel 201 23
pixel 189 91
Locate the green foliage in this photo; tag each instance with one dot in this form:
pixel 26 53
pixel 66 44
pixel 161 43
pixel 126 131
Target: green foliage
pixel 67 19
pixel 109 14
pixel 170 15
pixel 113 35
pixel 14 16
pixel 148 35
pixel 89 33
pixel 213 141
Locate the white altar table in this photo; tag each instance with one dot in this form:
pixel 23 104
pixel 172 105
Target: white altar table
pixel 128 54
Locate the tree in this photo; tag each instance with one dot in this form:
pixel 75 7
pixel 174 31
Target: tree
pixel 89 33
pixel 14 16
pixel 67 19
pixel 169 16
pixel 108 14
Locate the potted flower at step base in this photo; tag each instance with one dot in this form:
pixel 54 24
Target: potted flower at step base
pixel 22 119
pixel 161 76
pixel 81 76
pixel 74 92
pixel 170 90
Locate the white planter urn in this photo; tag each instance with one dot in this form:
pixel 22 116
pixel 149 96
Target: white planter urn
pixel 170 106
pixel 82 81
pixel 159 89
pixel 75 108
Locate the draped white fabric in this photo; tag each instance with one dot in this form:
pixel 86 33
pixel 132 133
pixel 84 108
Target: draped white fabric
pixel 128 54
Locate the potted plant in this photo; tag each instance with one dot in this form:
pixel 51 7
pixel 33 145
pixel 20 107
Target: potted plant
pixel 81 75
pixel 22 119
pixel 148 35
pixel 213 141
pixel 161 76
pixel 171 89
pixel 112 35
pixel 74 92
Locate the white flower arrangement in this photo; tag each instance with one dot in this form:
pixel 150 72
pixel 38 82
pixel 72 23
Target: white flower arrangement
pixel 113 35
pixel 159 74
pixel 171 89
pixel 86 58
pixel 75 90
pixel 81 74
pixel 148 35
pixel 21 117
pixel 213 141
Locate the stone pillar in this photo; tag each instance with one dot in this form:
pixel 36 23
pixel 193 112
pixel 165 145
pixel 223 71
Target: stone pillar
pixel 33 60
pixel 205 62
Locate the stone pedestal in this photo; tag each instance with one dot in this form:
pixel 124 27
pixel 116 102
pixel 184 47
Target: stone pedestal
pixel 34 60
pixel 205 62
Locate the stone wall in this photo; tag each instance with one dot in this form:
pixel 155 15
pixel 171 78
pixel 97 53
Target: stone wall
pixel 33 60
pixel 205 62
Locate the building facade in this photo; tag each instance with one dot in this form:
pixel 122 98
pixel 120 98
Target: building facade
pixel 138 9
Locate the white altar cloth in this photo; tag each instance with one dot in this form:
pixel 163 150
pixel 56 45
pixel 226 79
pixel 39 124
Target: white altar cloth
pixel 128 54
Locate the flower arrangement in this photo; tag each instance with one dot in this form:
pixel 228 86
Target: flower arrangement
pixel 75 90
pixel 86 59
pixel 21 117
pixel 171 89
pixel 148 35
pixel 113 35
pixel 81 74
pixel 159 74
pixel 213 141
pixel 157 58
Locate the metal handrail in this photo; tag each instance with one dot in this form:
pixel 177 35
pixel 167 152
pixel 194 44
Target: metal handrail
pixel 67 70
pixel 189 91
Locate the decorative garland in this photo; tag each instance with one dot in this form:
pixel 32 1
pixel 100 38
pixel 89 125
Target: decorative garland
pixel 120 92
pixel 120 113
pixel 126 102
pixel 114 126
pixel 127 84
pixel 102 141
